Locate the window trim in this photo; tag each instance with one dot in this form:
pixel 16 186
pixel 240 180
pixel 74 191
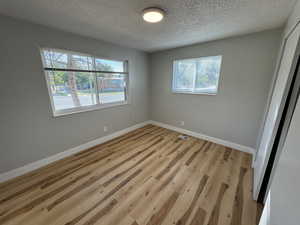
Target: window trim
pixel 174 91
pixel 80 109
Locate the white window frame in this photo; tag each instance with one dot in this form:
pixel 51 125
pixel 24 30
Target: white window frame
pixel 97 106
pixel 187 91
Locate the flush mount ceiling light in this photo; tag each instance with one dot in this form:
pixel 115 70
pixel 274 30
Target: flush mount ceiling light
pixel 153 14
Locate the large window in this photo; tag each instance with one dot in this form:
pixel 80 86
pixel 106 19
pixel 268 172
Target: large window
pixel 197 76
pixel 79 82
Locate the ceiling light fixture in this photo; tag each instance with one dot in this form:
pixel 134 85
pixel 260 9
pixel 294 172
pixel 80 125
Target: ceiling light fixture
pixel 153 14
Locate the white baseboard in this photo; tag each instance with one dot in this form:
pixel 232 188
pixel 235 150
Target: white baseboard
pixel 43 162
pixel 205 137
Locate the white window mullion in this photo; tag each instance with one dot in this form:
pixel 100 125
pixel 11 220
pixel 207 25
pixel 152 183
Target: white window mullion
pixel 96 83
pixel 195 76
pixel 125 66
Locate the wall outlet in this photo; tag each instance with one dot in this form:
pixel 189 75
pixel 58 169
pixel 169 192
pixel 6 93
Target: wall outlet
pixel 105 128
pixel 181 123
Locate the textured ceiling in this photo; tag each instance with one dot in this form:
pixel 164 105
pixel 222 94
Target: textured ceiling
pixel 120 21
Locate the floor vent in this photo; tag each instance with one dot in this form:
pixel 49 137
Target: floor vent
pixel 183 137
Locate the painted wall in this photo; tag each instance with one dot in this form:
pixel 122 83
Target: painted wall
pixel 293 18
pixel 28 131
pixel 236 112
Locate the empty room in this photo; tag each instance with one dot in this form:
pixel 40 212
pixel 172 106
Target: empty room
pixel 165 112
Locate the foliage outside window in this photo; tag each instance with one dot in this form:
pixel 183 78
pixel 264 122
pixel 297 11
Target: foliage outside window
pixel 197 76
pixel 79 82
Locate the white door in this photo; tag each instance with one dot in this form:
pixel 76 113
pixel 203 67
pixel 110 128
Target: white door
pixel 275 109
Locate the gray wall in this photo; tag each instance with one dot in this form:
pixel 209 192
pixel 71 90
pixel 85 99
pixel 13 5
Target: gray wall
pixel 28 131
pixel 236 112
pixel 293 18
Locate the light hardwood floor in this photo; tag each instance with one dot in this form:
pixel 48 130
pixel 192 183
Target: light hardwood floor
pixel 148 176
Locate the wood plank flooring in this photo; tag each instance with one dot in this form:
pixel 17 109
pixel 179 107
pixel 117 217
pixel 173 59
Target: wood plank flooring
pixel 146 177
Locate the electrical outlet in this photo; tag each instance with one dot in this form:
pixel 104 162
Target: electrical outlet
pixel 181 123
pixel 105 128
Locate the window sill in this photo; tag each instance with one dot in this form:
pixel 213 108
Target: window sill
pixel 193 93
pixel 65 112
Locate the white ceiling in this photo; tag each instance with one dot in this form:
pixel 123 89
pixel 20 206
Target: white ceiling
pixel 120 21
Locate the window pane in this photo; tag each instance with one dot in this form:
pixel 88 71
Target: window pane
pixel 80 62
pixel 55 59
pixel 111 87
pixel 72 89
pixel 208 71
pixel 199 75
pixel 109 65
pixel 185 71
pixel 67 60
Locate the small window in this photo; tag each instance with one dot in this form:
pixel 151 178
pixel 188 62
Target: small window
pixel 78 82
pixel 197 76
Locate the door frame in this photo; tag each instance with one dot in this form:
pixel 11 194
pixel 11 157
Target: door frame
pixel 284 124
pixel 258 188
